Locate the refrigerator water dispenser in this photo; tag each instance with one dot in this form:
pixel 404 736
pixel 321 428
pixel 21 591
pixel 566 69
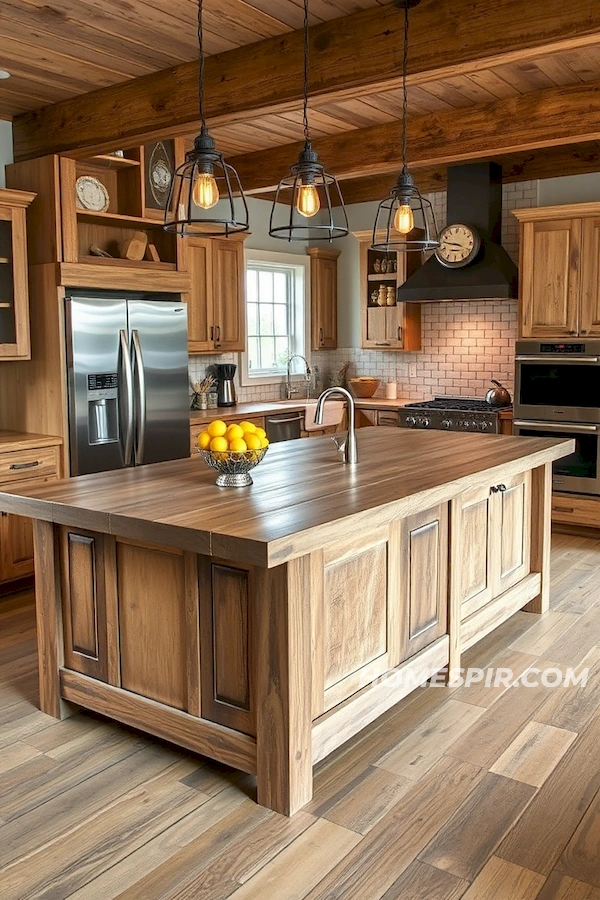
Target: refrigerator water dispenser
pixel 103 412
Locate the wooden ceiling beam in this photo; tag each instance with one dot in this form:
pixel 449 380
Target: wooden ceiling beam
pixel 350 56
pixel 548 162
pixel 549 118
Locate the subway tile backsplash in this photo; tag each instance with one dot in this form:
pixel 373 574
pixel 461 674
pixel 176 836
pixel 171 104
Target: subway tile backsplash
pixel 464 344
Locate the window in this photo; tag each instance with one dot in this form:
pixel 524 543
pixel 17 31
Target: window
pixel 275 314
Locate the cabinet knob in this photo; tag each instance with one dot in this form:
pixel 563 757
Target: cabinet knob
pixel 584 330
pixel 498 488
pixel 572 332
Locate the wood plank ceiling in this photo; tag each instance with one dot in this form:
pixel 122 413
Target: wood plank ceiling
pixel 61 49
pixel 55 49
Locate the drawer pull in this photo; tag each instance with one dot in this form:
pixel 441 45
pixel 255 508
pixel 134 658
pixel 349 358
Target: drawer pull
pixel 29 465
pixel 565 509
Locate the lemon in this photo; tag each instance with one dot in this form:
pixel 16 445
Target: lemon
pixel 204 440
pixel 219 442
pixel 238 445
pixel 217 428
pixel 253 441
pixel 261 432
pixel 264 442
pixel 233 432
pixel 248 427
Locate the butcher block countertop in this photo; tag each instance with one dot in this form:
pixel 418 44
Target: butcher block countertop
pixel 303 494
pixel 277 407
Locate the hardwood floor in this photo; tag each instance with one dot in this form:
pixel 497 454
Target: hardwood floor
pixel 474 792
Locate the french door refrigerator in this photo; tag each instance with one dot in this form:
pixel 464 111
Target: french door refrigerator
pixel 127 376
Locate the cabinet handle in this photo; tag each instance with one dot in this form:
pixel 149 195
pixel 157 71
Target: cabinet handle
pixel 399 332
pixel 584 330
pixel 498 488
pixel 212 332
pixel 382 343
pixel 321 336
pixel 218 330
pixel 29 465
pixel 572 332
pixel 565 509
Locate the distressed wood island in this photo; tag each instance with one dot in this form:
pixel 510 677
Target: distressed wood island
pixel 252 625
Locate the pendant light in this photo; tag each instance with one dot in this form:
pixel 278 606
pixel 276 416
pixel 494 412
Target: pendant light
pixel 316 206
pixel 405 209
pixel 205 182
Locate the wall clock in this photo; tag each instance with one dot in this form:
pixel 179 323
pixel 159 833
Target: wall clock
pixel 459 245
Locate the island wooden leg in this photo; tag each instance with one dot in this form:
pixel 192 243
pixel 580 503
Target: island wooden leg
pixel 541 514
pixel 283 687
pixel 49 620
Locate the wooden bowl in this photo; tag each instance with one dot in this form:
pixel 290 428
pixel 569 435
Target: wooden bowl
pixel 364 387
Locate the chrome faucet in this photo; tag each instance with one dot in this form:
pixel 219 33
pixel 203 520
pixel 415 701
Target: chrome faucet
pixel 289 390
pixel 348 448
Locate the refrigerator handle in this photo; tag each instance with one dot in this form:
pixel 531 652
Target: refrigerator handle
pixel 141 396
pixel 126 364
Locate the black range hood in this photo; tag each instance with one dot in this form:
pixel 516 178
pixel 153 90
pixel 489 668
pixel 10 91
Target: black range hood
pixel 474 198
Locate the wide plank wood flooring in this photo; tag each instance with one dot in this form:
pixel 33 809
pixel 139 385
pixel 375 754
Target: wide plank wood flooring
pixel 473 792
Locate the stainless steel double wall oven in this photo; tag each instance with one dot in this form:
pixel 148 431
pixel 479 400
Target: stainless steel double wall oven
pixel 557 394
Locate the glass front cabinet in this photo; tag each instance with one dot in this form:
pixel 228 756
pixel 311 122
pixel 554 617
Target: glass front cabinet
pixel 14 295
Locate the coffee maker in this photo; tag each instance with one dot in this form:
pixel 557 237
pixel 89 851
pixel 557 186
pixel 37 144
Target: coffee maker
pixel 225 385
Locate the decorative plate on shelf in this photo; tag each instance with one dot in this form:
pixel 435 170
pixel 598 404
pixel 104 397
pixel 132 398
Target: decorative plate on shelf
pixel 91 194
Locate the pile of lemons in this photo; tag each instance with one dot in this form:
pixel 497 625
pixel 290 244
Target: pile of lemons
pixel 234 438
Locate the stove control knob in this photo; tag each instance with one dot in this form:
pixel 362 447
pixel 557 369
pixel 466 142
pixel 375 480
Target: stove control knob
pixel 411 421
pixel 485 426
pixel 474 425
pixel 446 423
pixel 424 423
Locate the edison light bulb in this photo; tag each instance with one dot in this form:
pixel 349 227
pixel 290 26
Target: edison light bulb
pixel 205 193
pixel 308 203
pixel 404 221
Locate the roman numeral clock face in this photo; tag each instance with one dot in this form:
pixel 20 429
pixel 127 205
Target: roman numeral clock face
pixel 459 245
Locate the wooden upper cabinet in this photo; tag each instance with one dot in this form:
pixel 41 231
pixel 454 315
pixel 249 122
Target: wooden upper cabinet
pixel 323 297
pixel 385 324
pixel 560 271
pixel 216 301
pixel 14 290
pixel 589 323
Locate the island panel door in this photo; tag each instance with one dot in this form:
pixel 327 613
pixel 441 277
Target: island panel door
pixel 83 590
pixel 350 607
pixel 511 532
pixel 225 644
pixel 471 551
pixel 423 580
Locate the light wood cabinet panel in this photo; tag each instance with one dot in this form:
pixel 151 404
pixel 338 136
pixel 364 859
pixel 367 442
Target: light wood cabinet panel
pixel 492 536
pixel 423 580
pixel 323 297
pixel 590 278
pixel 228 295
pixel 550 278
pixel 393 326
pixel 511 538
pixel 14 289
pixel 474 576
pixel 216 301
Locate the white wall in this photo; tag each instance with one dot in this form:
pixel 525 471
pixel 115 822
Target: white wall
pixel 6 149
pixel 569 189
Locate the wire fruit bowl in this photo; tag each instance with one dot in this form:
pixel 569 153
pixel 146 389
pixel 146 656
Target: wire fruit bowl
pixel 233 468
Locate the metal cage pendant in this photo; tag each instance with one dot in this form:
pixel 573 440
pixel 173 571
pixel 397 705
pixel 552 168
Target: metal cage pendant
pixel 308 204
pixel 405 220
pixel 206 196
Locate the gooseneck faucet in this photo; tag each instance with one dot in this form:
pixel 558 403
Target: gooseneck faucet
pixel 289 390
pixel 348 448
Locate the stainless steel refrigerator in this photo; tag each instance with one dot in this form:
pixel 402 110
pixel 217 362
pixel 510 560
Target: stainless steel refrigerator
pixel 127 374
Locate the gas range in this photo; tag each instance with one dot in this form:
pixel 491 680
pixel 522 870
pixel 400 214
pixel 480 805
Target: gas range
pixel 451 414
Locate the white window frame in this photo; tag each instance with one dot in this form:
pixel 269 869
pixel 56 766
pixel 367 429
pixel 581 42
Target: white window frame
pixel 302 266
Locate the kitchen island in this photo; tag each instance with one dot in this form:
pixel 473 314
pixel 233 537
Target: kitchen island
pixel 254 625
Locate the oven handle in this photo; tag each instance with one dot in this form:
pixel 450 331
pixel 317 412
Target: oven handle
pixel 556 427
pixel 585 360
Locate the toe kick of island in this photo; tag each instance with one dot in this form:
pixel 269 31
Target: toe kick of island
pixel 269 668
